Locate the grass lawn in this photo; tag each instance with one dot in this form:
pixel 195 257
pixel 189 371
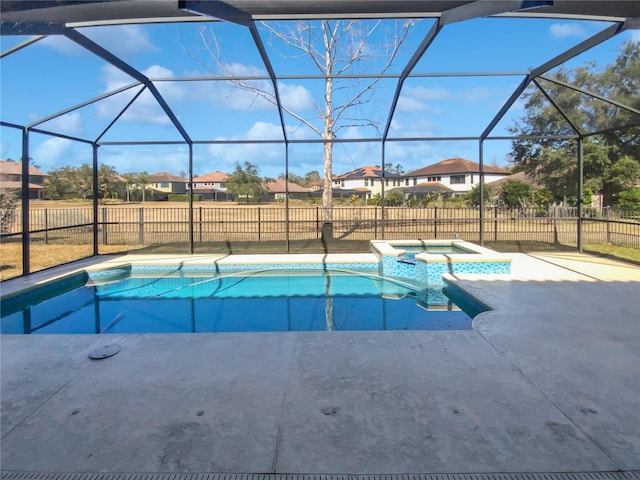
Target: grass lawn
pixel 45 256
pixel 624 254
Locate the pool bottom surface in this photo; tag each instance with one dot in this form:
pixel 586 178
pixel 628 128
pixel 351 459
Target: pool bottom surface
pixel 240 303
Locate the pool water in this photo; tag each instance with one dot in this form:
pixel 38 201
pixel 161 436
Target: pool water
pixel 412 250
pixel 248 302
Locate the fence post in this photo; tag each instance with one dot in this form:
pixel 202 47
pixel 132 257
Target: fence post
pixel 607 216
pixel 46 227
pixel 435 223
pixel 375 221
pixel 495 223
pixel 104 225
pixel 555 225
pixel 141 226
pixel 317 222
pixel 259 224
pixel 200 222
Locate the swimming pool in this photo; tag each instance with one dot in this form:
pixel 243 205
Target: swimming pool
pixel 410 251
pixel 125 301
pixel 428 260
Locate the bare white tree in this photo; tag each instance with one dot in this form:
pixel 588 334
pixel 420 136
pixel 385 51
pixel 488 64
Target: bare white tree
pixel 335 47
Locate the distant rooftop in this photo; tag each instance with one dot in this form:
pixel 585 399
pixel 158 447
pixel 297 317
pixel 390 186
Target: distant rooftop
pixel 453 166
pixel 373 171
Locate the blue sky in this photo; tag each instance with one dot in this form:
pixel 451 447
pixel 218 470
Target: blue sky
pixel 53 74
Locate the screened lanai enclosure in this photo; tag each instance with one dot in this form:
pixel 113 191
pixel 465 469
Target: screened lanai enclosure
pixel 133 101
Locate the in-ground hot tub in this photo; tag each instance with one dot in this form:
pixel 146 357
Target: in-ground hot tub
pixel 425 261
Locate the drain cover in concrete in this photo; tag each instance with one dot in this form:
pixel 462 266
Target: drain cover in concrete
pixel 104 352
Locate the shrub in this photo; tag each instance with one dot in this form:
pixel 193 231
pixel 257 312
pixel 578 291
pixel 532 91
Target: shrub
pixel 516 194
pixel 8 204
pixel 183 197
pixel 628 200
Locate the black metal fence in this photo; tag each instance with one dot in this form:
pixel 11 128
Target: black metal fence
pixel 139 225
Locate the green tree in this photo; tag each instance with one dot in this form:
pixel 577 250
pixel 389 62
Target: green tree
pixel 473 196
pixel 129 180
pixel 394 198
pixel 107 181
pixel 375 200
pixel 142 179
pixel 245 182
pixel 553 162
pixel 293 178
pixel 57 183
pixel 542 197
pixel 622 174
pixel 516 194
pixel 8 205
pixel 81 179
pixel 398 168
pixel 311 177
pixel 629 200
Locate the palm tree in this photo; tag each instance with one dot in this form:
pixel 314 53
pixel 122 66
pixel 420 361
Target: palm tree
pixel 129 181
pixel 142 178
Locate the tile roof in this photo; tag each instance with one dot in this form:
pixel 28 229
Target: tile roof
pixel 165 177
pixel 521 176
pixel 15 168
pixel 427 187
pixel 13 185
pixel 453 166
pixel 213 177
pixel 372 171
pixel 278 186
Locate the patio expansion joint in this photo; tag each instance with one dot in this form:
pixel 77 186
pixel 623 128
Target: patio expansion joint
pixel 609 475
pixel 276 449
pixel 526 378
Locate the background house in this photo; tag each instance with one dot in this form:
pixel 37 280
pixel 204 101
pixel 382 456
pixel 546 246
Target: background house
pixel 11 179
pixel 367 180
pixel 167 183
pixel 423 189
pixel 458 174
pixel 211 186
pixel 276 190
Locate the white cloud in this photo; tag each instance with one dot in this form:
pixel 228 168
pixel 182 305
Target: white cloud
pixel 122 40
pixel 563 30
pixel 269 158
pixel 478 93
pixel 146 108
pixel 227 95
pixel 261 155
pixel 422 93
pixel 224 94
pixel 62 45
pixel 70 124
pixel 416 99
pixel 413 105
pixel 417 128
pixel 296 97
pixel 264 131
pixel 152 159
pixel 52 153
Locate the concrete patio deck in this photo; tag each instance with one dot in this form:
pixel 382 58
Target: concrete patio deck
pixel 548 381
